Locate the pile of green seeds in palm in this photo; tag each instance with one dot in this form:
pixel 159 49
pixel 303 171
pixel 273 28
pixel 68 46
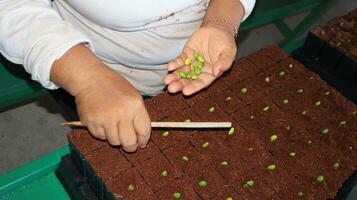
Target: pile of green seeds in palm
pixel 196 64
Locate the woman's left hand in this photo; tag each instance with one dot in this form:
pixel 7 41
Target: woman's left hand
pixel 217 45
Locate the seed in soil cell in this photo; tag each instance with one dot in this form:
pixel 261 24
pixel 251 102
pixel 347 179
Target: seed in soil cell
pixel 249 183
pixel 271 167
pixel 231 131
pixel 202 183
pixel 273 138
pixel 176 195
pixel 320 178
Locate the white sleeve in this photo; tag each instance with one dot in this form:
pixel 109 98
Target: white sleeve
pixel 248 8
pixel 34 35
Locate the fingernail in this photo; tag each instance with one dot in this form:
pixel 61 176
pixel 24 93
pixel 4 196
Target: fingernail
pixel 220 72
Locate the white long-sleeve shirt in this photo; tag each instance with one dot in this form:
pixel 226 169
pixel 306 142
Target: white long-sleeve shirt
pixel 35 33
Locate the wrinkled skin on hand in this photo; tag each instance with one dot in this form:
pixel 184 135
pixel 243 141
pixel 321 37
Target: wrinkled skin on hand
pixel 113 110
pixel 217 45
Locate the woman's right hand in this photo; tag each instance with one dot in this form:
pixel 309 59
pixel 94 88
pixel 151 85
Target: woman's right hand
pixel 113 110
pixel 107 103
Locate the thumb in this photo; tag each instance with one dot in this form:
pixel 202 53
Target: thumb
pixel 223 63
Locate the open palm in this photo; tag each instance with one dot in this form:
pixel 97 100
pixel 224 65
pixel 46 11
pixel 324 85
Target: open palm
pixel 218 48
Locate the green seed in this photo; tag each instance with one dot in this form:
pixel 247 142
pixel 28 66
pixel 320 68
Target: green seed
pixel 354 112
pixel 300 90
pixel 166 133
pixel 304 112
pixel 189 74
pixel 285 101
pixel 231 131
pixel 200 58
pixel 249 183
pixel 192 66
pixel 185 158
pixel 199 65
pixel 202 183
pixel 131 187
pixel 205 144
pixel 177 195
pixel 291 65
pixel 198 71
pixel 187 120
pixel 211 109
pixel 339 44
pixel 282 73
pixel 287 128
pixel 300 194
pixel 224 163
pixel 251 117
pixel 266 108
pixel 341 23
pixel 188 61
pixel 350 147
pixel 292 154
pixel 273 138
pixel 317 103
pixel 271 167
pixel 229 198
pixel 250 149
pixel 164 173
pixel 309 141
pixel 325 131
pixel 342 123
pixel 228 98
pixel 244 90
pixel 183 74
pixel 320 178
pixel 194 76
pixel 327 93
pixel 196 54
pixel 336 165
pixel 267 79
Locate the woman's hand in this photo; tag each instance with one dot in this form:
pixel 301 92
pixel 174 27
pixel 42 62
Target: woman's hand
pixel 107 103
pixel 217 45
pixel 113 110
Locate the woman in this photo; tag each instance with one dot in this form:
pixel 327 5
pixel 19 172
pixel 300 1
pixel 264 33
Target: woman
pixel 107 53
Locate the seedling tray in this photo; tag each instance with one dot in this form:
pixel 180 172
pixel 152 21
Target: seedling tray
pixel 335 68
pixel 78 182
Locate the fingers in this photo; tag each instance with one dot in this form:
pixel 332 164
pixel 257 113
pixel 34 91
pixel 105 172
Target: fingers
pixel 180 60
pixel 203 81
pixel 174 76
pixel 127 136
pixel 171 77
pixel 223 63
pixel 178 85
pixel 111 132
pixel 142 126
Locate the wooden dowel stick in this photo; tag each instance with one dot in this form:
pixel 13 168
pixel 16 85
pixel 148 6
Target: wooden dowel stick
pixel 172 124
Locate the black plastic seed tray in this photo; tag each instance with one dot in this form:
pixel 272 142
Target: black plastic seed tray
pixel 328 58
pixel 81 187
pixel 79 179
pixel 76 185
pixel 333 66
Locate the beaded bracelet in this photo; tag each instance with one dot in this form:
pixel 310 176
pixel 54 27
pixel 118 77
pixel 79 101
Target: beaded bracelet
pixel 222 21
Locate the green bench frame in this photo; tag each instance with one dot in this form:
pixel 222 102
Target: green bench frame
pixel 16 87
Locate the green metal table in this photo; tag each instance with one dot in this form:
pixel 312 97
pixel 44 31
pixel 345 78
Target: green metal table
pixel 35 180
